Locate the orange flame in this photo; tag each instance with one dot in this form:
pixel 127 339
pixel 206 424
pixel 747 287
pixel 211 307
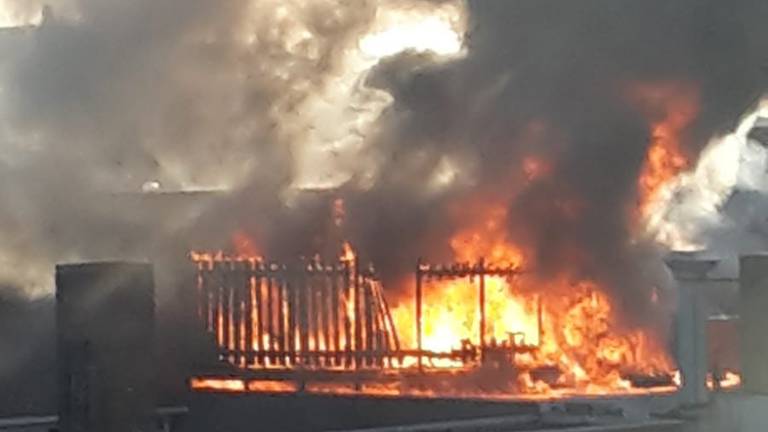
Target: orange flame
pixel 347 254
pixel 729 380
pixel 672 107
pixel 218 384
pixel 535 168
pixel 244 245
pixel 568 326
pixel 563 325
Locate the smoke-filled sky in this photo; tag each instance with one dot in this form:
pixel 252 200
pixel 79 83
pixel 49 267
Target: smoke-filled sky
pixel 415 107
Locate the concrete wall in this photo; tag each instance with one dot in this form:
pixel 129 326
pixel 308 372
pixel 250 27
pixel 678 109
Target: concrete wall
pixel 754 323
pixel 105 326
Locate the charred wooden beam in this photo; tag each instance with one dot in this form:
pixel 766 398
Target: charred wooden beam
pixel 419 346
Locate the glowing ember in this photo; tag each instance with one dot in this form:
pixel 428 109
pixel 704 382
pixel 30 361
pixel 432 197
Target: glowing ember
pixel 218 384
pixel 240 385
pixel 228 385
pixel 347 254
pixel 535 168
pixel 729 380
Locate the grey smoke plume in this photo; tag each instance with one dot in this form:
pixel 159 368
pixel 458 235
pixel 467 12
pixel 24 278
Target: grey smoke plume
pixel 107 95
pixel 210 94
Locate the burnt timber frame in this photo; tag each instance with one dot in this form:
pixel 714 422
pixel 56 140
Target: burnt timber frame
pixel 309 315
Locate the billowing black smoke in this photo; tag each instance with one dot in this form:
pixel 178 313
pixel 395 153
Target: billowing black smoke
pixel 566 65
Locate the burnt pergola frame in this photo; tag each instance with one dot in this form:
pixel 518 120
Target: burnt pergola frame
pixel 480 270
pixel 265 314
pixel 239 298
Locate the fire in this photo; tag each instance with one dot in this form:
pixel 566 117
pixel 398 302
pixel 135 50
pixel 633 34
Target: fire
pixel 729 380
pixel 484 313
pixel 672 107
pixel 566 326
pixel 218 384
pixel 347 254
pixel 535 168
pixel 486 238
pixel 235 385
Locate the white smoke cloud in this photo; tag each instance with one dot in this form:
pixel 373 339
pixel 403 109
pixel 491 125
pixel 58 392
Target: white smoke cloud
pixel 105 96
pixel 719 203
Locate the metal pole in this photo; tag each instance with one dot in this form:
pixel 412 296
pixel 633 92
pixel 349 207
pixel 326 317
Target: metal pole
pixel 418 314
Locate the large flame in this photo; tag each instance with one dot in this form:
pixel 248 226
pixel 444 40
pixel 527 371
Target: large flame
pixel 672 107
pixel 568 325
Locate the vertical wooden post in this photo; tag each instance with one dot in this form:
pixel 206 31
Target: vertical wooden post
pixel 236 286
pixel 201 296
pixel 303 312
pixel 315 290
pixel 271 331
pixel 325 317
pixel 348 317
pixel 419 346
pixel 221 314
pixel 358 323
pixel 292 312
pixel 281 330
pixel 248 287
pixel 259 320
pixel 335 314
pixel 482 309
pixel 225 309
pixel 369 328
